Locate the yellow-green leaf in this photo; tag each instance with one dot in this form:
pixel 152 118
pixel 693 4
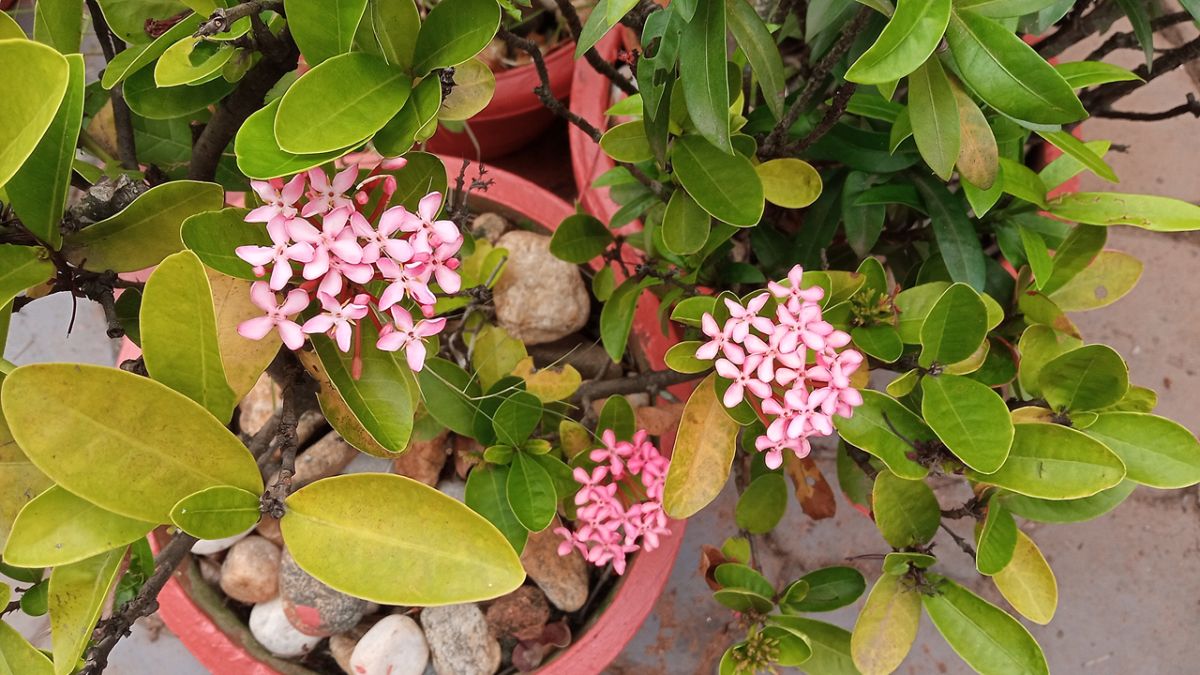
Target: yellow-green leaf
pixel 985 636
pixel 21 657
pixel 887 626
pixel 474 84
pixel 22 480
pixel 1028 582
pixel 244 360
pixel 1149 212
pixel 34 79
pixel 906 511
pixel 934 114
pixel 136 459
pixel 1051 461
pixel 77 594
pixel 20 268
pixel 436 550
pixel 703 453
pixel 789 182
pixel 552 383
pixel 1107 279
pixel 911 35
pixel 59 528
pixel 216 512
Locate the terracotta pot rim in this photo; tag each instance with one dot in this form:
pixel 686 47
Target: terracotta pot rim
pixel 510 98
pixel 629 603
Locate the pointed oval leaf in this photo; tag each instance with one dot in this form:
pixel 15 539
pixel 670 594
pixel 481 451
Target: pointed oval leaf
pixel 725 185
pixel 881 341
pixel 685 225
pixel 970 418
pixel 762 505
pixel 871 430
pixel 1069 510
pixel 616 318
pixel 35 80
pixel 454 31
pixel 906 511
pixel 20 268
pixel 20 657
pixel 517 417
pixel 58 528
pixel 147 230
pixel 886 626
pixel 324 28
pixel 703 452
pixel 757 43
pixel 1109 277
pixel 191 61
pixel 1156 451
pixel 531 492
pixel 1088 378
pixel 216 512
pixel 954 233
pixel 343 530
pixel 1149 212
pixel 1050 461
pixel 579 238
pixel 77 594
pixel 933 111
pixel 158 446
pixel 627 143
pixel 179 334
pixel 954 328
pixel 1028 583
pixel 148 99
pixel 985 636
pixel 704 75
pixel 487 495
pixel 259 155
pixel 339 103
pixel 829 588
pixel 996 539
pixel 830 645
pixel 911 35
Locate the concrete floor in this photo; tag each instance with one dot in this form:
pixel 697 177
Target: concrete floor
pixel 1129 596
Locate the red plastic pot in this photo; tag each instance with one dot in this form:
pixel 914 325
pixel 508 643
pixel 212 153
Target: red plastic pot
pixel 515 116
pixel 225 652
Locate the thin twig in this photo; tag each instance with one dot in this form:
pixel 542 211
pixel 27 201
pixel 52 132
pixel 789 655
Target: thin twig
pixel 1077 27
pixel 837 108
pixel 593 57
pixel 1102 97
pixel 221 19
pixel 122 118
pixel 1192 107
pixel 629 385
pixel 962 543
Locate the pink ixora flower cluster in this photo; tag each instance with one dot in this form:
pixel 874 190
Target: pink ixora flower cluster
pixel 320 232
pixel 790 362
pixel 607 529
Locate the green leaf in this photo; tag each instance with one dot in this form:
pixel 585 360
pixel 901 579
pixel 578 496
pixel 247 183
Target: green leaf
pixel 1007 74
pixel 414 120
pixel 1028 582
pixel 393 25
pixel 1150 212
pixel 685 224
pixel 829 588
pixel 138 56
pixel 59 24
pixel 681 358
pixel 1037 255
pixel 413 531
pixel 1021 182
pixel 531 492
pixel 913 305
pixel 762 505
pixel 870 429
pixel 1087 378
pixel 127 445
pixel 31 101
pixel 179 334
pixel 954 233
pixel 20 657
pixel 616 318
pixel 454 31
pixel 881 341
pixel 127 18
pixel 580 238
pixel 740 600
pixel 1037 346
pixel 742 577
pixel 886 626
pixel 627 143
pixel 600 22
pixel 954 328
pixel 830 645
pixel 725 185
pixel 690 310
pixel 1004 9
pixel 1075 148
pixel 244 360
pixel 22 479
pixel 381 398
pixel 450 395
pixel 487 495
pixel 20 268
pixel 213 236
pixel 146 231
pixel 703 452
pixel 1069 510
pixel 323 28
pixel 1050 461
pixel 901 563
pixel 789 182
pixel 517 417
pixel 906 511
pixel 996 540
pixel 318 115
pixel 1139 18
pixel 985 636
pixel 1156 451
pixel 704 75
pixel 191 61
pixel 909 38
pixel 978 159
pixel 10 29
pixel 934 115
pixel 216 512
pixel 494 355
pixel 38 190
pixel 259 155
pixel 1109 277
pixel 59 528
pixel 1081 74
pixel 970 418
pixel 617 415
pixel 474 84
pixel 755 39
pixel 77 594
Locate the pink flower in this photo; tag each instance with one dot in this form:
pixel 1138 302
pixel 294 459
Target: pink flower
pixel 442 265
pixel 720 340
pixel 743 379
pixel 807 417
pixel 613 453
pixel 427 232
pixel 277 316
pixel 281 254
pixel 326 196
pixel 331 283
pixel 379 241
pixel 803 326
pixel 333 239
pixel 770 351
pixel 741 319
pixel 796 296
pixel 407 281
pixel 337 320
pixel 776 448
pixel 278 204
pixel 403 333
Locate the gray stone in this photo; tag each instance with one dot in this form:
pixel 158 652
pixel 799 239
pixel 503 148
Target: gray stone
pixel 394 646
pixel 459 640
pixel 314 608
pixel 489 226
pixel 250 573
pixel 538 298
pixel 270 626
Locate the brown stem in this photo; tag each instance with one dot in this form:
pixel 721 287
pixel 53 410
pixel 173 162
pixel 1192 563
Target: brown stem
pixel 837 108
pixel 593 57
pixel 1077 27
pixel 962 543
pixel 1130 41
pixel 1100 98
pixel 221 19
pixel 629 385
pixel 1192 107
pixel 122 118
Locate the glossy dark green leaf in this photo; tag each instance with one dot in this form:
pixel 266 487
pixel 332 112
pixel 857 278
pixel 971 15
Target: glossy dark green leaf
pixel 970 418
pixel 617 415
pixel 531 493
pixel 934 114
pixel 829 588
pixel 705 78
pixel 830 645
pixel 881 341
pixel 580 238
pixel 517 417
pixel 996 540
pixel 954 328
pixel 725 185
pixel 38 190
pixel 906 511
pixel 146 98
pixel 870 429
pixel 985 636
pixel 450 395
pixel 323 28
pixel 911 35
pixel 454 31
pixel 1051 461
pixel 487 495
pixel 762 505
pixel 616 318
pixel 1087 378
pixel 954 233
pixel 685 224
pixel 1008 74
pixel 424 173
pixel 759 47
pixel 214 235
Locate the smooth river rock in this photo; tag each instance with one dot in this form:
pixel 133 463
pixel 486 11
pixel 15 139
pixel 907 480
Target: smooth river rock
pixel 459 640
pixel 538 298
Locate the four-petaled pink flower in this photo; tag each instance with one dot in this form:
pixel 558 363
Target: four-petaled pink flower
pixel 720 340
pixel 428 232
pixel 281 254
pixel 793 293
pixel 743 378
pixel 278 199
pixel 742 319
pixel 325 195
pixel 403 333
pixel 278 316
pixel 337 320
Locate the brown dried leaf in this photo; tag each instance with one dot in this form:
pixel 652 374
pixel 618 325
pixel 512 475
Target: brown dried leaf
pixel 813 491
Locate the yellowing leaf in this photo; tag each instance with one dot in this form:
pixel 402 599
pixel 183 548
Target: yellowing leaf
pixel 703 452
pixel 552 383
pixel 1107 279
pixel 244 360
pixel 789 182
pixel 77 594
pixel 887 626
pixel 58 528
pixel 1028 582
